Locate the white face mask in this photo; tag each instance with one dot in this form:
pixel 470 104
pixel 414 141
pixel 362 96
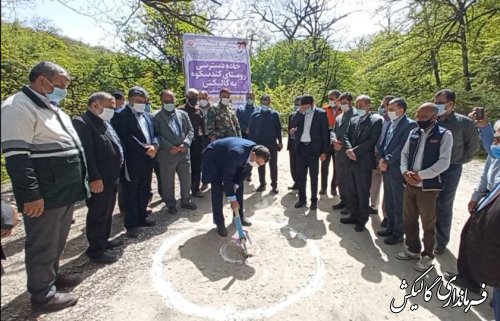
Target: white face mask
pixel 344 107
pixel 331 103
pixel 139 107
pixel 265 108
pixel 441 109
pixel 107 114
pixel 361 112
pixel 254 164
pixel 392 115
pixel 203 103
pixel 224 101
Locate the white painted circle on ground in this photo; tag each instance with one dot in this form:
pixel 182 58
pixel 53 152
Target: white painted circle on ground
pixel 176 300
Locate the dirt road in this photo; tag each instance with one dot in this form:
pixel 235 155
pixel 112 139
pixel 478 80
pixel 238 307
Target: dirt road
pixel 306 266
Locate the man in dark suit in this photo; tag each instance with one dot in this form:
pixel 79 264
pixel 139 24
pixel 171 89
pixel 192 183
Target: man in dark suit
pixel 360 140
pixel 389 149
pixel 291 145
pixel 104 155
pixel 337 140
pixel 135 128
pixel 226 163
pixel 310 126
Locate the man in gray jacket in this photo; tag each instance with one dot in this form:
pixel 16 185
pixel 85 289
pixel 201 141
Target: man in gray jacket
pixel 175 132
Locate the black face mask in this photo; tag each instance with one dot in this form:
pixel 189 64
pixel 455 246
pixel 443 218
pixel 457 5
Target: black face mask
pixel 425 124
pixel 192 101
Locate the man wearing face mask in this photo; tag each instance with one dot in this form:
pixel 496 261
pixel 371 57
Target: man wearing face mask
pixel 465 145
pixel 425 156
pixel 204 106
pixel 134 126
pixel 291 145
pixel 196 148
pixel 46 164
pixel 360 140
pixel 104 155
pixel 265 129
pixel 332 112
pixel 176 133
pixel 311 145
pixel 226 163
pixel 221 119
pixel 389 150
pixel 244 114
pixel 337 140
pixel 120 100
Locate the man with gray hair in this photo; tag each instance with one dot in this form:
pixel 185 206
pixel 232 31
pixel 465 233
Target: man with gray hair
pixel 360 140
pixel 46 164
pixel 104 154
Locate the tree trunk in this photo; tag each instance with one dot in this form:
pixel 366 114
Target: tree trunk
pixel 462 36
pixel 435 68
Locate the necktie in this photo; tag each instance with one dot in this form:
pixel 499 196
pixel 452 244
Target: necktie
pixel 176 124
pixel 390 132
pixel 115 139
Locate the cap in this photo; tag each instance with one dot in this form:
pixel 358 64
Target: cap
pixel 138 91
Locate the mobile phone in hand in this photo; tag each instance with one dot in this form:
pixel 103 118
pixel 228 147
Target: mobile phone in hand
pixel 480 113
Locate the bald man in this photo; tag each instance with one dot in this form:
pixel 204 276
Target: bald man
pixel 425 156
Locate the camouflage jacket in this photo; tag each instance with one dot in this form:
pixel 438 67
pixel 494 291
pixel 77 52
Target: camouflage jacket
pixel 222 122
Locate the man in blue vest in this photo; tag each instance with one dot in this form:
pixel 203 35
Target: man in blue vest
pixel 425 156
pixel 226 163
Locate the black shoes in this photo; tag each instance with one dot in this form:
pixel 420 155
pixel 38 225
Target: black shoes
pixel 359 227
pixel 172 210
pixel 385 232
pixel 204 187
pixel 189 205
pixel 293 187
pixel 133 233
pixel 67 280
pixel 391 240
pixel 103 258
pixel 314 205
pixel 245 222
pixel 58 302
pixel 345 211
pixel 300 204
pixel 249 178
pixel 372 211
pixel 148 222
pixel 463 282
pixel 384 222
pixel 333 192
pixel 339 206
pixel 221 230
pixel 197 194
pixel 275 190
pixel 322 192
pixel 439 250
pixel 114 243
pixel 349 220
pixel 261 188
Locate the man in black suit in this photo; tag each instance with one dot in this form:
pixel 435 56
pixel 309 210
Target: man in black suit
pixel 135 128
pixel 360 140
pixel 291 146
pixel 310 126
pixel 337 140
pixel 104 155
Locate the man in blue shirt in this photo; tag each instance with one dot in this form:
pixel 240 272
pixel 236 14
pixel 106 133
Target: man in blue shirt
pixel 265 129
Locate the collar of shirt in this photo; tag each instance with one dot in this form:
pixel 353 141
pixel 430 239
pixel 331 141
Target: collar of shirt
pixel 396 121
pixel 45 100
pixel 309 111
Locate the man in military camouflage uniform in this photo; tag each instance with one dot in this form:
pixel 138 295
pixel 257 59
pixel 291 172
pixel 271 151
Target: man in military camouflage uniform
pixel 221 119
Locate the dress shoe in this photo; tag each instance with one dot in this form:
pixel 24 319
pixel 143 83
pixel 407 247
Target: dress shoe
pixel 293 187
pixel 338 206
pixel 314 205
pixel 67 280
pixel 463 282
pixel 322 192
pixel 197 194
pixel 114 243
pixel 172 210
pixel 148 222
pixel 104 258
pixel 391 240
pixel 372 211
pixel 275 190
pixel 261 188
pixel 385 232
pixel 133 233
pixel 333 192
pixel 300 204
pixel 359 227
pixel 189 205
pixel 221 230
pixel 204 187
pixel 439 250
pixel 245 221
pixel 384 222
pixel 344 211
pixel 149 210
pixel 249 178
pixel 349 220
pixel 58 302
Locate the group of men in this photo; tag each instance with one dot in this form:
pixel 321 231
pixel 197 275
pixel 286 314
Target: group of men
pixel 114 147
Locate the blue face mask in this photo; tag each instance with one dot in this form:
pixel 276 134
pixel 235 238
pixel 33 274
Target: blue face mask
pixel 441 109
pixel 381 111
pixel 169 107
pixel 147 108
pixel 495 151
pixel 57 95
